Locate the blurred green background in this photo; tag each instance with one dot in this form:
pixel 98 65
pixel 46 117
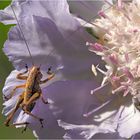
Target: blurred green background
pixel 5 69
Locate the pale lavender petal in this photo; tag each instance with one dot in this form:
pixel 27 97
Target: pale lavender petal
pixel 7 15
pixel 136 137
pixel 51 42
pixel 70 102
pixel 87 10
pixel 108 136
pixel 118 116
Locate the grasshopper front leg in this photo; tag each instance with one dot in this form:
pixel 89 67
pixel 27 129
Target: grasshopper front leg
pixel 13 91
pixel 44 81
pixel 47 79
pixel 51 75
pixel 20 75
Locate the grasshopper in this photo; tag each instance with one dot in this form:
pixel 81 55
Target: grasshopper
pixel 31 93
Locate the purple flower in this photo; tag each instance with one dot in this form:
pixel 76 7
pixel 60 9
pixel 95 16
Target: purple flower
pixel 55 38
pixel 117 110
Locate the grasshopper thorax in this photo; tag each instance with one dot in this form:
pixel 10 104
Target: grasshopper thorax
pixel 35 73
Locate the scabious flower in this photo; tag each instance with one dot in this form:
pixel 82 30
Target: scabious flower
pixel 55 38
pixel 118 45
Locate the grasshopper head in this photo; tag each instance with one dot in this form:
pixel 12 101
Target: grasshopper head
pixel 37 72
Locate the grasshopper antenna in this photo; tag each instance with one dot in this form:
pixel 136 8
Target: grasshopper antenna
pixel 22 35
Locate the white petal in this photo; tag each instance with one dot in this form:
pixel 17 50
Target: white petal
pixel 130 122
pixel 85 131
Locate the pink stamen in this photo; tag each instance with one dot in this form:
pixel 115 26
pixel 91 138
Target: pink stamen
pixel 126 83
pixel 136 69
pixel 97 47
pixel 113 58
pixel 102 14
pixel 120 6
pixel 98 88
pixel 135 30
pixel 127 57
pixel 128 73
pixel 115 81
pixel 121 88
pixel 125 15
pixel 126 92
pixel 115 78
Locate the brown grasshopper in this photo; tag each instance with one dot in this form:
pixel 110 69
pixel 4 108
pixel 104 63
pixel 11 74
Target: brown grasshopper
pixel 32 90
pixel 31 93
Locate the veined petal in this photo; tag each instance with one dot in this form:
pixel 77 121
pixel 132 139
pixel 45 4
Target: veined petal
pixel 69 103
pixel 117 116
pixel 86 10
pixel 130 124
pixel 50 40
pixel 7 15
pixel 84 131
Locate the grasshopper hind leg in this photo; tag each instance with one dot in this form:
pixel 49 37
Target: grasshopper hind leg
pixel 29 108
pixel 13 92
pixel 36 117
pixel 10 116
